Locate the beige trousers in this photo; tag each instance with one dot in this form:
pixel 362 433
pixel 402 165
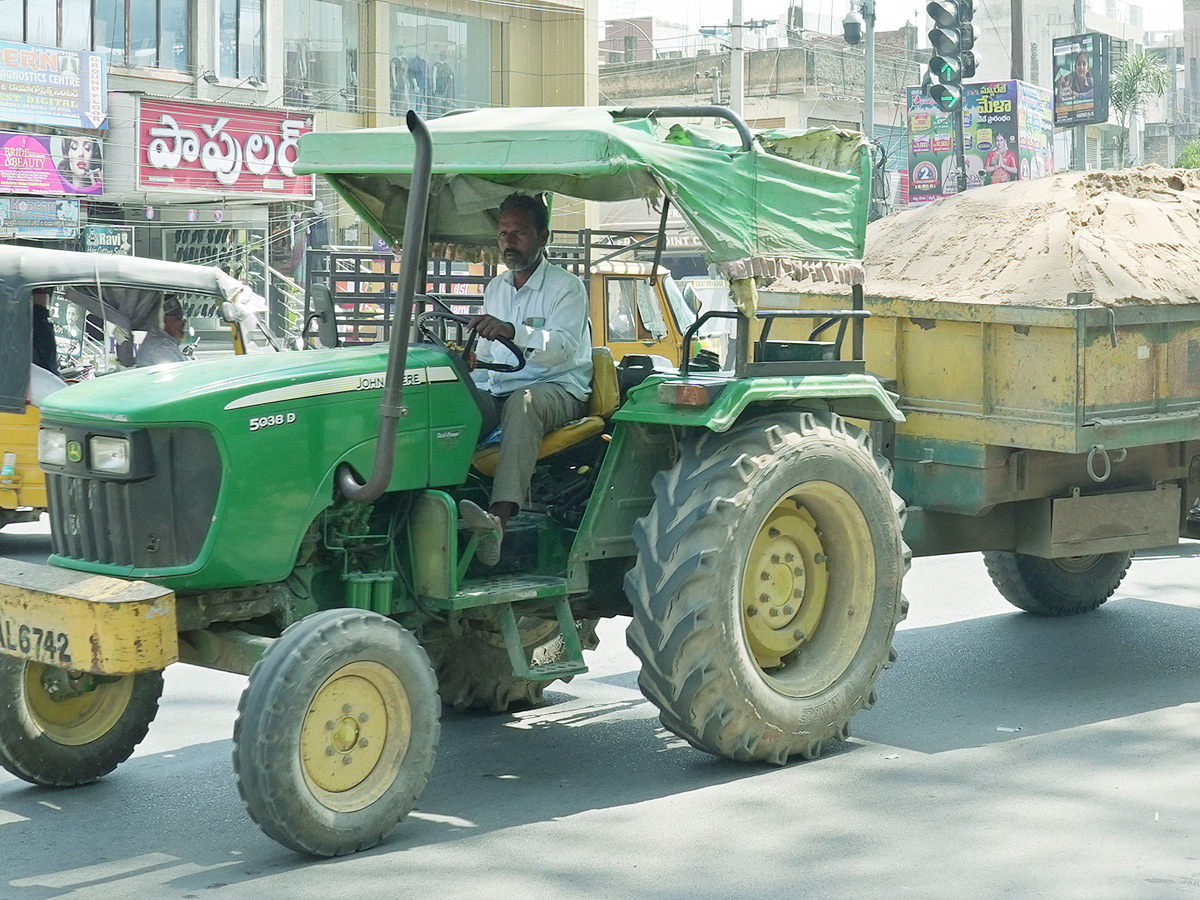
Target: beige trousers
pixel 526 416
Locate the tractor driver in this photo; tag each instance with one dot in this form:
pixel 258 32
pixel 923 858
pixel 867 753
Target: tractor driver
pixel 542 308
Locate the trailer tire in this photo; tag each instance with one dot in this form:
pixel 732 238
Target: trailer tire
pixel 473 669
pixel 1056 587
pixel 336 732
pixel 54 741
pixel 781 520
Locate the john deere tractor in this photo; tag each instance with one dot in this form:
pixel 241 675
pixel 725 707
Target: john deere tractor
pixel 293 516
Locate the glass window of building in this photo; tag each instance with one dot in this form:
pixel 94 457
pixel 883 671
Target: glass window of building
pixel 240 30
pixel 439 62
pixel 321 42
pixel 150 33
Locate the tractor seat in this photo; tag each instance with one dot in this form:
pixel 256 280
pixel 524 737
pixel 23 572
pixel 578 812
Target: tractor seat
pixel 602 404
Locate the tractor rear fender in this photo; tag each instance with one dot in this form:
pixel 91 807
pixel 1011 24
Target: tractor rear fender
pixel 716 402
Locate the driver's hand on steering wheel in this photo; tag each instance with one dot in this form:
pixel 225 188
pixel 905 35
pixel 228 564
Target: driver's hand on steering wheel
pixel 491 328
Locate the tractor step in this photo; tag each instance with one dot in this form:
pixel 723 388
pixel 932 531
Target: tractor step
pixel 496 590
pixel 571 664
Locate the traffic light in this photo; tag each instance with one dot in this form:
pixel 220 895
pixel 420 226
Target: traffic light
pixel 952 40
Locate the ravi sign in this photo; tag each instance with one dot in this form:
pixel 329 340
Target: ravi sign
pixel 224 150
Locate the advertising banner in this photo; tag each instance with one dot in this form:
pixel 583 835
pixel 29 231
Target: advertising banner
pixel 37 218
pixel 1081 76
pixel 48 86
pixel 114 240
pixel 43 164
pixel 228 150
pixel 1008 136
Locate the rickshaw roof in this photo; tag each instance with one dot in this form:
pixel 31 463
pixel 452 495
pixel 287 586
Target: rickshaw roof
pixel 793 201
pixel 42 267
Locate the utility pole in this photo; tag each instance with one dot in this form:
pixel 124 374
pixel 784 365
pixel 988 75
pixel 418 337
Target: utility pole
pixel 1017 24
pixel 1079 132
pixel 868 14
pixel 737 60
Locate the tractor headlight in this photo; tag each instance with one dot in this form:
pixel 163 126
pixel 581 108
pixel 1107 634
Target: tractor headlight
pixel 52 447
pixel 109 455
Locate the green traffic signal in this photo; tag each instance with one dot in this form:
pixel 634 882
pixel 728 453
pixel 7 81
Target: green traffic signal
pixel 948 97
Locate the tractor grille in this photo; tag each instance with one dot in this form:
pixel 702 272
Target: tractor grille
pixel 155 522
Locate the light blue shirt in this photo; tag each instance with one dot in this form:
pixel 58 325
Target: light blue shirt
pixel 550 317
pixel 158 348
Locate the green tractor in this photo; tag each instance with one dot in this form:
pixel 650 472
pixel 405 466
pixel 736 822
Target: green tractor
pixel 293 516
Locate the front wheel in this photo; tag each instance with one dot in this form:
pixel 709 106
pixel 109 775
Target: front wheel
pixel 767 586
pixel 62 729
pixel 1056 587
pixel 336 732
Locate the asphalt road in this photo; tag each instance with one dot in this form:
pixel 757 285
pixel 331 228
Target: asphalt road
pixel 1009 756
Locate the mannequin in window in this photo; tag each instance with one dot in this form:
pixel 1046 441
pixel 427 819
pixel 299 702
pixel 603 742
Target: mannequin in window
pixel 417 82
pixel 443 87
pixel 398 83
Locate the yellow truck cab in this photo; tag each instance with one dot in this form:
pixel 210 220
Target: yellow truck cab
pixel 633 312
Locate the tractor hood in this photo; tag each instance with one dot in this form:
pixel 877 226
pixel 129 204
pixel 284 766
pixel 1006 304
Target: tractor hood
pixel 785 202
pixel 192 391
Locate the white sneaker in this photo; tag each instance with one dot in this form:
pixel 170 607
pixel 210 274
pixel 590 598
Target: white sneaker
pixel 486 527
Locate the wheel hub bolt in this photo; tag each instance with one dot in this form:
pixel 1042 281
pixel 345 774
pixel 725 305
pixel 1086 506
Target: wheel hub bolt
pixel 819 558
pixel 788 610
pixel 752 611
pixel 363 743
pixel 347 709
pixel 798 572
pixel 775 558
pixel 347 759
pixel 765 598
pixel 329 726
pixel 798 635
pixel 363 718
pixel 797 594
pixel 790 558
pixel 766 576
pixel 774 532
pixel 329 751
pixel 773 611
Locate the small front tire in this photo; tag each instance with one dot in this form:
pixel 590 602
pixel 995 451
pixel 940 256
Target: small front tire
pixel 337 732
pixel 1056 587
pixel 63 729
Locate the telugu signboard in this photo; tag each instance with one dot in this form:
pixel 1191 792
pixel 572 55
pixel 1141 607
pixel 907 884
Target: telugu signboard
pixel 227 150
pixel 44 164
pixel 1008 135
pixel 48 86
pixel 1081 73
pixel 36 218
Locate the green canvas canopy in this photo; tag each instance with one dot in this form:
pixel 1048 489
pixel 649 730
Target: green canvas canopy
pixel 792 203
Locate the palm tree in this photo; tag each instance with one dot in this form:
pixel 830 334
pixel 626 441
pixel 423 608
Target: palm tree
pixel 1137 79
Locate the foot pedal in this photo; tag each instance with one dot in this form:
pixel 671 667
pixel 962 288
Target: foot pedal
pixel 571 664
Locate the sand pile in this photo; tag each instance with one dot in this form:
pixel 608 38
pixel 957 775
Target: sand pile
pixel 1130 236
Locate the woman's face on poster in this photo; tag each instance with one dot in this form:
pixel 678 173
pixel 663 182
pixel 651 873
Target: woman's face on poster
pixel 80 153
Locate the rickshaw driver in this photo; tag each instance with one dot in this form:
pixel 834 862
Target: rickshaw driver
pixel 161 345
pixel 542 308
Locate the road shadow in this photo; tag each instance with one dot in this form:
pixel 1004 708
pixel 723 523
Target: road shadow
pixel 971 683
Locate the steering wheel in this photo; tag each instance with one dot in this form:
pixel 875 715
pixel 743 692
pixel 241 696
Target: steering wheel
pixel 468 351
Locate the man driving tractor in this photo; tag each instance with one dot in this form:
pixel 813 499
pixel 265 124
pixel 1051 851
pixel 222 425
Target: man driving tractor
pixel 542 308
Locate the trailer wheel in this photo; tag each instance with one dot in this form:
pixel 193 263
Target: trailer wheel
pixel 336 732
pixel 62 729
pixel 766 591
pixel 1056 587
pixel 473 669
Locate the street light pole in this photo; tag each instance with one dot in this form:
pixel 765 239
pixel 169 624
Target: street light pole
pixel 737 60
pixel 868 14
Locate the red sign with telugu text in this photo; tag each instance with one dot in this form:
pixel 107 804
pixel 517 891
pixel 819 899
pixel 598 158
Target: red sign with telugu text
pixel 220 149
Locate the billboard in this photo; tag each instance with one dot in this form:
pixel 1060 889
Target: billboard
pixel 1081 77
pixel 1008 137
pixel 48 86
pixel 114 240
pixel 46 164
pixel 35 217
pixel 226 150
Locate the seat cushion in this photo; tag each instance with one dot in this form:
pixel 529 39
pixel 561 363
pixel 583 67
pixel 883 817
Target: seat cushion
pixel 559 439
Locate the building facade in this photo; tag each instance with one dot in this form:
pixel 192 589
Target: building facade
pixel 172 124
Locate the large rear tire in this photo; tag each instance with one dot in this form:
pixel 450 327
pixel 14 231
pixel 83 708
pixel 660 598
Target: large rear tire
pixel 63 729
pixel 1056 587
pixel 766 591
pixel 474 671
pixel 336 732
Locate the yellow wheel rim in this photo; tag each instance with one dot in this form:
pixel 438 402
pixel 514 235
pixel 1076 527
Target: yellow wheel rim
pixel 808 588
pixel 80 719
pixel 355 736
